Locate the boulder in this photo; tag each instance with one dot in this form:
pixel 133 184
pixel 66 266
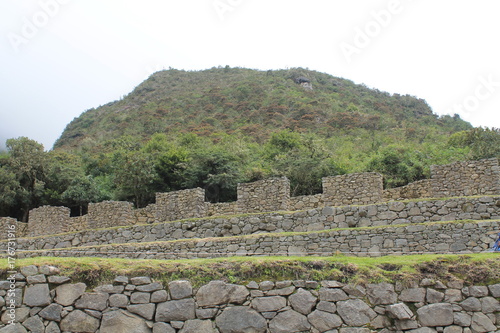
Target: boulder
pixel 269 304
pixel 180 289
pixel 93 301
pixel 37 295
pixel 324 321
pixel 120 321
pixel 288 322
pixel 79 322
pixel 178 310
pixel 433 315
pixel 355 312
pixel 240 319
pixel 381 293
pixel 302 301
pixel 481 323
pixel 197 326
pixel 67 294
pixel 220 292
pixel 400 311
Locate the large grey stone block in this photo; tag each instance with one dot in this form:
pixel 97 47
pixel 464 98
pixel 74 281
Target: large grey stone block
pixel 433 315
pixel 240 319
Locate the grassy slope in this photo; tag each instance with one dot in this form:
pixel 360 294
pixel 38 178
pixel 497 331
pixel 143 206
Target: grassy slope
pixel 481 268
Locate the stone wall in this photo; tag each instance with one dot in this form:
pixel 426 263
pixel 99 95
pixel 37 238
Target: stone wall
pixel 48 220
pixel 466 178
pixel 9 224
pixel 458 179
pixel 325 218
pixel 221 208
pixel 110 213
pixel 439 237
pixel 415 190
pixel 353 189
pixel 44 301
pixel 180 205
pixel 266 195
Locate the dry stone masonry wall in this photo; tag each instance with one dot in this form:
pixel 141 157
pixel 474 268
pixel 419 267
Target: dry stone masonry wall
pixel 466 178
pixel 456 237
pixel 326 218
pixel 458 179
pixel 45 301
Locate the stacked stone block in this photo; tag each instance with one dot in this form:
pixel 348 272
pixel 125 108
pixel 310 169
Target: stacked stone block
pixel 178 205
pixel 416 190
pixel 353 189
pixel 47 302
pixel 266 195
pixel 48 220
pixel 110 214
pixel 466 178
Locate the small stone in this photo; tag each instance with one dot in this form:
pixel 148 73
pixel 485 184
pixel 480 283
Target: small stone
pixel 54 279
pixel 140 280
pixel 29 270
pixel 118 301
pixel 252 285
pixel 140 298
pixel 163 328
pixel 266 285
pixel 159 296
pixel 121 280
pixel 49 270
pixel 52 312
pixel 33 279
pixel 400 311
pixel 180 289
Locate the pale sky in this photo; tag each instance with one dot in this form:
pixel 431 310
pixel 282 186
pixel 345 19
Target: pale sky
pixel 59 58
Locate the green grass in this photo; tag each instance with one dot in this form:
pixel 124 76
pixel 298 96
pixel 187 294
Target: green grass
pixel 481 268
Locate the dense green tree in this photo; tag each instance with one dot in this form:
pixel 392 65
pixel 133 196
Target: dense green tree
pixel 482 142
pixel 27 160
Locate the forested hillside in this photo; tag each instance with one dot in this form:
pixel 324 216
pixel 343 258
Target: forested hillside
pixel 215 128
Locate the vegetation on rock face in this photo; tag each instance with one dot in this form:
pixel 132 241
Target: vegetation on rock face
pixel 218 127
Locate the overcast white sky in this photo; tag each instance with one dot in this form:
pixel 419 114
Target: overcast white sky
pixel 59 58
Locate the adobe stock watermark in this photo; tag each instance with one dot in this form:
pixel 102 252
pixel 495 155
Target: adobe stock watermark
pixel 363 36
pixel 10 299
pixel 222 7
pixel 485 89
pixel 32 24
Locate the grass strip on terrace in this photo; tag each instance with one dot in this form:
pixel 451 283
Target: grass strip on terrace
pixel 478 269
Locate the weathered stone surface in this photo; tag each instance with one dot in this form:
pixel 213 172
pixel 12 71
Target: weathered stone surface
pixel 54 279
pixel 219 292
pixel 34 324
pixel 183 309
pixel 159 296
pixel 120 321
pixel 150 287
pixel 481 323
pixel 146 311
pixel 48 270
pixel 37 295
pixel 160 327
pixel 434 296
pixel 52 312
pixel 400 311
pixel 332 295
pixel 354 330
pixel 34 279
pixel 415 295
pixel 206 313
pixel 471 304
pixel 453 329
pixel 79 322
pixel 240 319
pixel 118 300
pixel 52 327
pixel 324 321
pixel 326 306
pixel 489 305
pixel 110 289
pixel 355 312
pixel 29 270
pixel 495 290
pixel 67 294
pixel 302 301
pixel 140 280
pixel 20 315
pixel 478 291
pixel 355 290
pixel 268 304
pixel 140 298
pixel 439 314
pixel 462 319
pixel 92 301
pixel 197 326
pixel 405 324
pixel 16 328
pixel 288 322
pixel 423 330
pixel 381 293
pixel 180 289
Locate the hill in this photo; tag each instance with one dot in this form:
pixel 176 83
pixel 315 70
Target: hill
pixel 254 103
